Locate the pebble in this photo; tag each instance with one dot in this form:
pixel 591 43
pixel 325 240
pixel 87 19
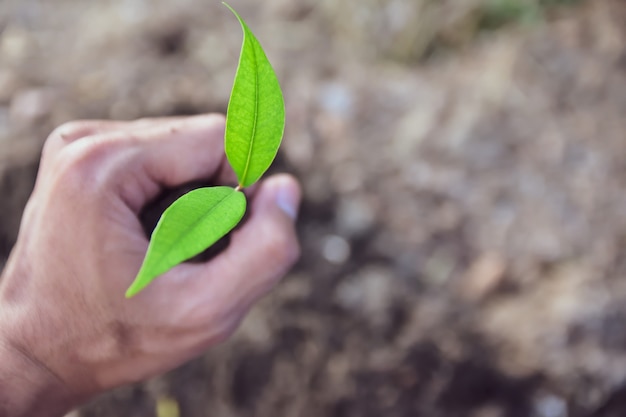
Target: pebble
pixel 551 406
pixel 15 44
pixel 9 85
pixel 355 215
pixel 299 149
pixel 484 275
pixel 4 123
pixel 336 98
pixel 347 177
pixel 336 250
pixel 370 291
pixel 29 106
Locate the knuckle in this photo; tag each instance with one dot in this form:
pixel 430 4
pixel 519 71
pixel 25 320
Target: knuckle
pixel 56 139
pixel 66 134
pixel 80 159
pixel 50 147
pixel 67 129
pixel 93 151
pixel 81 164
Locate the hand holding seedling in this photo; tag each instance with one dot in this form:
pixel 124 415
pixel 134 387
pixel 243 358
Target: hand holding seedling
pixel 64 320
pixel 254 129
pixel 66 330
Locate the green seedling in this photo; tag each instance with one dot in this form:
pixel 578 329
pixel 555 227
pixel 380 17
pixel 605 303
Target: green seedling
pixel 255 121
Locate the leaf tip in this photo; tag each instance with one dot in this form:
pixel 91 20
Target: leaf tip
pixel 138 285
pixel 132 290
pixel 229 6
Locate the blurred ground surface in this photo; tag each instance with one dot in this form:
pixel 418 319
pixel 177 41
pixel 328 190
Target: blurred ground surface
pixel 463 223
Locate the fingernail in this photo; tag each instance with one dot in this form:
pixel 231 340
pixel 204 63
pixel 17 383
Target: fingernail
pixel 287 199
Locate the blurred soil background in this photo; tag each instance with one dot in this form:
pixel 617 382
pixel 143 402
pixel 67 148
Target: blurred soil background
pixel 464 167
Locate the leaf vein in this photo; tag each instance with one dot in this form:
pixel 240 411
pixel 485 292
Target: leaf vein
pixel 256 114
pixel 190 227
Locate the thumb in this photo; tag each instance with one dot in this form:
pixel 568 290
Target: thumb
pixel 259 255
pixel 266 245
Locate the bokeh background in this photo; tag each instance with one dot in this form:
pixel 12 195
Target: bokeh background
pixel 464 168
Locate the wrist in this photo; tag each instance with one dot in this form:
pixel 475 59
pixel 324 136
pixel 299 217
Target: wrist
pixel 28 388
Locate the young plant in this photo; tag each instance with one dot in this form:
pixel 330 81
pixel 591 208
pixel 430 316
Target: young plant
pixel 255 121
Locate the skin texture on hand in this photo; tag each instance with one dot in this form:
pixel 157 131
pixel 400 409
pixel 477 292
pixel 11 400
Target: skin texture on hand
pixel 65 324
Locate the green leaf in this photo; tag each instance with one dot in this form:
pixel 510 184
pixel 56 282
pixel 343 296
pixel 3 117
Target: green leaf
pixel 190 225
pixel 255 120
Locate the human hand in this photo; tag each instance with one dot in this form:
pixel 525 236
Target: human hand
pixel 64 321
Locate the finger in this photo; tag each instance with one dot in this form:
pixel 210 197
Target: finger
pixel 72 131
pixel 151 120
pixel 226 175
pixel 167 155
pixel 183 150
pixel 75 130
pixel 260 253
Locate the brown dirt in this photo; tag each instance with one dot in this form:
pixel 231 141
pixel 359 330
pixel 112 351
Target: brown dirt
pixel 463 218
